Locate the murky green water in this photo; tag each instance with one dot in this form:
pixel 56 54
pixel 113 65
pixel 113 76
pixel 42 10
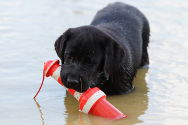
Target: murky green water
pixel 28 29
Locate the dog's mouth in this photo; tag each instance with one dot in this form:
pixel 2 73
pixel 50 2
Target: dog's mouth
pixel 81 90
pixel 92 84
pixel 81 87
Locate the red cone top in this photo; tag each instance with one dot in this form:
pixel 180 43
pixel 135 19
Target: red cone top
pixel 48 65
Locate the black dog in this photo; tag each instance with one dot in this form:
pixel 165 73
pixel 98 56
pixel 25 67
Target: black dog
pixel 106 53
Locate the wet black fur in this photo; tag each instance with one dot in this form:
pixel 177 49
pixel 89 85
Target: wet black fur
pixel 106 53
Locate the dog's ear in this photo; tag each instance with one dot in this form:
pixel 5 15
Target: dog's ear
pixel 61 42
pixel 113 57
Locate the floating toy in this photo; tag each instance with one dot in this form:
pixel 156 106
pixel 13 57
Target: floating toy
pixel 92 101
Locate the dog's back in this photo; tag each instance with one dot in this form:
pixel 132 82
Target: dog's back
pixel 127 26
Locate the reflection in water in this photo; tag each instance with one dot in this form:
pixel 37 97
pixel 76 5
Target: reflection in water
pixel 74 117
pixel 40 111
pixel 133 104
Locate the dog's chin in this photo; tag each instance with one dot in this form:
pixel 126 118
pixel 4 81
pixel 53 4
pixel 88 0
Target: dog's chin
pixel 81 90
pixel 78 89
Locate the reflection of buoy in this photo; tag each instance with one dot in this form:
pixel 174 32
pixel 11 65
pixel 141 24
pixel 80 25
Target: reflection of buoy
pixel 92 101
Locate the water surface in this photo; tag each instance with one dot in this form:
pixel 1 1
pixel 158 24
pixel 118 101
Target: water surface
pixel 28 29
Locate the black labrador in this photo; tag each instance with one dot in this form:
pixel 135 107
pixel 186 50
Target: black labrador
pixel 106 53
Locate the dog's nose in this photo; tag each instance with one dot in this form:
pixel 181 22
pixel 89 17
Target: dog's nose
pixel 72 82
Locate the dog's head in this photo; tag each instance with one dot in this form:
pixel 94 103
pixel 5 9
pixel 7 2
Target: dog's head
pixel 86 54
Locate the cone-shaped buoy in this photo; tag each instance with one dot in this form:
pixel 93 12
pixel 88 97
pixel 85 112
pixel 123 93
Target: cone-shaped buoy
pixel 92 101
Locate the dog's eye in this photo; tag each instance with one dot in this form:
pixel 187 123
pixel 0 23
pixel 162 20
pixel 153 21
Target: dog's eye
pixel 87 62
pixel 68 59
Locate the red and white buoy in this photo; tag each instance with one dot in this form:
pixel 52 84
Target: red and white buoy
pixel 92 101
